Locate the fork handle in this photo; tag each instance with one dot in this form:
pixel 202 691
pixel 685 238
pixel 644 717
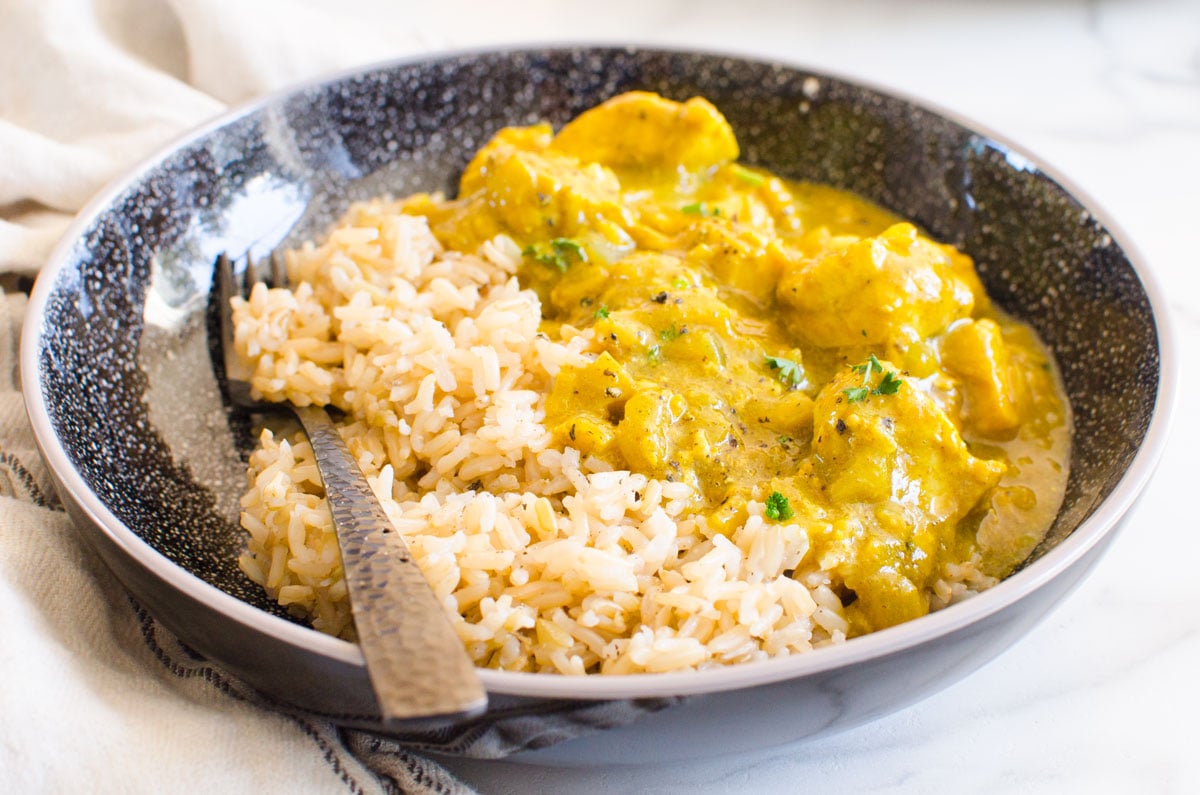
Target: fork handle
pixel 416 663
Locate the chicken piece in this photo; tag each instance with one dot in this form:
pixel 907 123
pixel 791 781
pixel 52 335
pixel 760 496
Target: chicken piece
pixel 642 434
pixel 534 138
pixel 539 196
pixel 585 404
pixel 882 443
pixel 901 446
pixel 645 279
pixel 974 352
pixel 643 131
pixel 738 256
pixel 865 292
pixel 515 186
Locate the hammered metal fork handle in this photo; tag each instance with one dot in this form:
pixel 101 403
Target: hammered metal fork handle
pixel 415 660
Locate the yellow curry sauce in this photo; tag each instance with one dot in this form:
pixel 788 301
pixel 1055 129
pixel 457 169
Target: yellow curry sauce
pixel 774 341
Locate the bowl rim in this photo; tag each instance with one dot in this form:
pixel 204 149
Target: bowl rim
pixel 1063 555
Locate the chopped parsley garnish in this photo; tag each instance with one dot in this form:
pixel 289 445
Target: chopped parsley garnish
pixel 672 333
pixel 700 208
pixel 654 354
pixel 872 363
pixel 784 440
pixel 681 283
pixel 602 312
pixel 789 372
pixel 565 244
pixel 748 176
pixel 559 253
pixel 778 507
pixel 889 384
pixel 856 393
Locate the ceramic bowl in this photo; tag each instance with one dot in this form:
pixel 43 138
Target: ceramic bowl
pixel 127 412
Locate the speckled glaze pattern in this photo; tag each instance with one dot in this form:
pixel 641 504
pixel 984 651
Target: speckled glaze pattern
pixel 122 349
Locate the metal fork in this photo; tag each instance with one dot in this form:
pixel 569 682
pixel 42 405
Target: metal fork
pixel 417 665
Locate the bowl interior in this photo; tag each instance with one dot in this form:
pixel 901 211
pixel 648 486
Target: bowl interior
pixel 123 357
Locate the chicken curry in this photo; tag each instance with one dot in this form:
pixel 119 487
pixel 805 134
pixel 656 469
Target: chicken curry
pixel 775 341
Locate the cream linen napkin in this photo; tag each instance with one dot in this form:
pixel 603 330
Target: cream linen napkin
pixel 95 696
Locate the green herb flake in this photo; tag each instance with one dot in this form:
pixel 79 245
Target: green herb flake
pixel 748 176
pixel 602 312
pixel 872 364
pixel 856 394
pixel 889 384
pixel 559 254
pixel 778 507
pixel 654 354
pixel 565 245
pixel 546 258
pixel 668 334
pixel 789 372
pixel 784 440
pixel 700 208
pixel 681 283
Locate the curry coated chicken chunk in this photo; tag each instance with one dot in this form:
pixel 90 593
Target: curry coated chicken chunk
pixel 881 440
pixel 879 437
pixel 865 291
pixel 640 130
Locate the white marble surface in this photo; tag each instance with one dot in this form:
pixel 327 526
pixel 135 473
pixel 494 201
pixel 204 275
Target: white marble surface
pixel 1103 696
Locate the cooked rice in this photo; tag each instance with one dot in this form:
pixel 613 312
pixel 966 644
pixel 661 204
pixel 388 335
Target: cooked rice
pixel 547 561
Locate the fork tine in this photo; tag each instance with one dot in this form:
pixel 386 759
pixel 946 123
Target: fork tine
pixel 250 275
pixel 225 291
pixel 235 375
pixel 279 276
pixel 225 285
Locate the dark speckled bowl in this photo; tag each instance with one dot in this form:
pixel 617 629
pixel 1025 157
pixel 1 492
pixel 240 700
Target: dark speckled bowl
pixel 128 414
